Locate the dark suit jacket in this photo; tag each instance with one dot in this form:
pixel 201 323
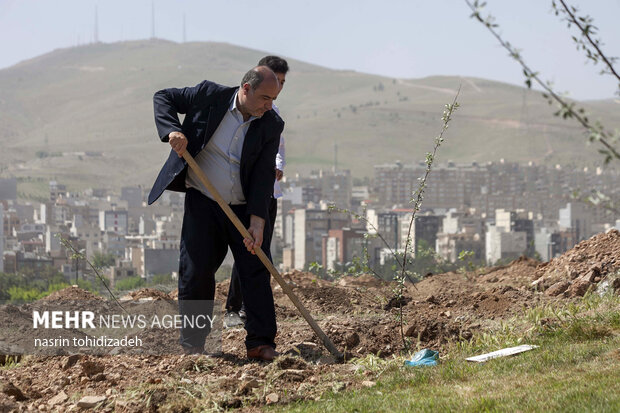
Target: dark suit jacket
pixel 204 106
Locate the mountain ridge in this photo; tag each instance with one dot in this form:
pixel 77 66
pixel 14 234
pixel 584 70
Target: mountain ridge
pixel 97 98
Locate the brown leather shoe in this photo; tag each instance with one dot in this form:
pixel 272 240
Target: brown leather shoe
pixel 264 352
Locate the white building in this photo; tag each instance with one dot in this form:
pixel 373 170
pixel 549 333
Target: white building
pixel 169 226
pixel 576 217
pixel 113 221
pixel 92 235
pixel 52 240
pixel 504 245
pixel 310 226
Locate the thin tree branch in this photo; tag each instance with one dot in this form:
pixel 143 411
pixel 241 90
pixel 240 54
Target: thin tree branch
pixel 586 33
pixel 567 109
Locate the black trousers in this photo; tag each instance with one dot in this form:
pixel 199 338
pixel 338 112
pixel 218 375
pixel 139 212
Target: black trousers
pixel 206 235
pixel 234 300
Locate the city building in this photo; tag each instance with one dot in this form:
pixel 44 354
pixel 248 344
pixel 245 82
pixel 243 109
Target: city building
pixel 576 216
pixel 310 226
pixel 340 246
pixel 450 245
pixel 502 245
pixel 114 221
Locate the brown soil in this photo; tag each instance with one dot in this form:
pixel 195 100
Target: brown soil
pixel 358 313
pixel 71 293
pixel 147 293
pixel 582 267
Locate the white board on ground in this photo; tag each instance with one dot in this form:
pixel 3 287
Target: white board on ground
pixel 501 353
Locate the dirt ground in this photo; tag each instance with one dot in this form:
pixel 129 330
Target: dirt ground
pixel 360 315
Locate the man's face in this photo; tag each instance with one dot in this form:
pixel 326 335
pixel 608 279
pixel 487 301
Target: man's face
pixel 257 102
pixel 281 78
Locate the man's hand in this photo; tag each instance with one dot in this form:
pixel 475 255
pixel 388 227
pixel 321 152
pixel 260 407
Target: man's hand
pixel 279 174
pixel 257 225
pixel 178 141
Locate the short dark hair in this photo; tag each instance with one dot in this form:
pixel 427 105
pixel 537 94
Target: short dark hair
pixel 275 63
pixel 253 77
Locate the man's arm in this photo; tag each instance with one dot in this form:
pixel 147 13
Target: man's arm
pixel 261 186
pixel 168 103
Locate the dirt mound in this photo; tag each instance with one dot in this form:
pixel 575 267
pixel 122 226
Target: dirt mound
pixel 518 272
pixel 71 293
pixel 364 280
pixel 581 268
pixel 303 279
pixel 147 293
pixel 359 314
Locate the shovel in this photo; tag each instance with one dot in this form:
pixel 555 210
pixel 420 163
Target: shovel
pixel 261 255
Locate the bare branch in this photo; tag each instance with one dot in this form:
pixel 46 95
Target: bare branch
pixel 586 31
pixel 567 109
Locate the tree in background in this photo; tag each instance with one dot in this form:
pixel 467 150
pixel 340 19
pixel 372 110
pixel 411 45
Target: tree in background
pixel 585 40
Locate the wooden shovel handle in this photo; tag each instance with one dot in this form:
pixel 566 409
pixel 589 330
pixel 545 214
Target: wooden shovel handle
pixel 262 256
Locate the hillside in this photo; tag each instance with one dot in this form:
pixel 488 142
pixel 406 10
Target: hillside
pixel 97 98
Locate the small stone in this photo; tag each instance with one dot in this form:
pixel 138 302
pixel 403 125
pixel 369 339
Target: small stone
pixel 431 299
pixel 368 383
pixel 70 361
pixel 272 398
pixel 92 368
pixel 88 402
pixel 557 288
pixel 591 275
pixel 578 288
pixel 58 399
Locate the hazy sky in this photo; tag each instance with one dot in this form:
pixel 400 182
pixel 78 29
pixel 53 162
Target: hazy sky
pixel 398 38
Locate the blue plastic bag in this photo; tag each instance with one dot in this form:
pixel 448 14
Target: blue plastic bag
pixel 424 357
